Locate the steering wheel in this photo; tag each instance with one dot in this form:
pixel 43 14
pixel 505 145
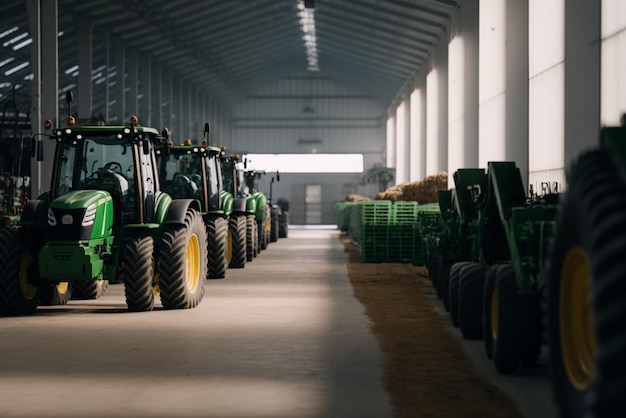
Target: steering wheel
pixel 185 182
pixel 114 166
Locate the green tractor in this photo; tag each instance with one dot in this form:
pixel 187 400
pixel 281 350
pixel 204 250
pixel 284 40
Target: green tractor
pixel 262 210
pixel 104 219
pixel 495 243
pixel 244 206
pixel 195 172
pixel 585 285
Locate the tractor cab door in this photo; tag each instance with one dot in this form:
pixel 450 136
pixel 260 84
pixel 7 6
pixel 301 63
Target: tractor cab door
pixel 149 181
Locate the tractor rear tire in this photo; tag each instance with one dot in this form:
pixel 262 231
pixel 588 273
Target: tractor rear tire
pixel 238 233
pixel 471 288
pixel 453 291
pixel 262 236
pixel 508 335
pixel 18 271
pixel 88 289
pixel 585 290
pixel 53 294
pixel 217 235
pixel 137 260
pixel 283 225
pixel 250 238
pixel 182 263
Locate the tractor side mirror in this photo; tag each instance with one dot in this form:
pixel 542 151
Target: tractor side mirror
pixel 39 150
pixel 277 176
pixel 145 143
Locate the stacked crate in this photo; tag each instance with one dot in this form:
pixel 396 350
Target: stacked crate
pixel 401 233
pixel 375 217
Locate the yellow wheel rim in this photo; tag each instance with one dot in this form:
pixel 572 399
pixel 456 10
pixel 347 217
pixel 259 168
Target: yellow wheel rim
pixel 494 315
pixel 62 287
pixel 192 261
pixel 28 290
pixel 229 247
pixel 578 344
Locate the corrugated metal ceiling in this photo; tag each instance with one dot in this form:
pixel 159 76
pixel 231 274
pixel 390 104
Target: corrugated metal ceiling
pixel 228 48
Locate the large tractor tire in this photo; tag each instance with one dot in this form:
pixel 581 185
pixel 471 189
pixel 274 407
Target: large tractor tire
pixel 183 263
pixel 255 234
pixel 586 290
pixel 274 226
pixel 19 272
pixel 88 289
pixel 507 318
pixel 250 238
pixel 490 309
pixel 471 284
pixel 453 291
pixel 283 225
pixel 217 235
pixel 238 233
pixel 138 273
pixel 262 236
pixel 55 294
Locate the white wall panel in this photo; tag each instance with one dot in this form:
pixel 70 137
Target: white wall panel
pixel 391 141
pixel 613 67
pixel 456 106
pixel 546 92
pixel 432 122
pixel 402 143
pixel 417 137
pixel 492 82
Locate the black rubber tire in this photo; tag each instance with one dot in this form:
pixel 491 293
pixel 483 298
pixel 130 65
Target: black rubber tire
pixel 274 227
pixel 589 225
pixel 137 262
pixel 89 289
pixel 256 239
pixel 250 238
pixel 238 233
pixel 471 288
pixel 490 309
pixel 262 236
pixel 182 263
pixel 511 311
pixel 52 294
pixel 453 291
pixel 283 225
pixel 18 263
pixel 217 235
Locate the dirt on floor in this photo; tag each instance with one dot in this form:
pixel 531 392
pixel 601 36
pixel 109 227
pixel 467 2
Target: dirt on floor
pixel 427 372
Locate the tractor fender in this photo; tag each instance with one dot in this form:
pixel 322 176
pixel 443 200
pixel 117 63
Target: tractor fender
pixel 178 209
pixel 31 215
pixel 226 203
pixel 239 204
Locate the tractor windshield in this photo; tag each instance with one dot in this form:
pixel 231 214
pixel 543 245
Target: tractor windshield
pixel 98 161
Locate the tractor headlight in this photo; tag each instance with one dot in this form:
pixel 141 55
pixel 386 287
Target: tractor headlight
pixel 52 221
pixel 89 217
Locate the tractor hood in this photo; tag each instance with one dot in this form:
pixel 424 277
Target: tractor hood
pixel 81 215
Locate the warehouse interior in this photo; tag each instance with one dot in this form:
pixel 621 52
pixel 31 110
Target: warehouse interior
pixel 414 87
pixel 364 95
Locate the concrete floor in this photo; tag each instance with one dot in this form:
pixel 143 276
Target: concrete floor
pixel 283 337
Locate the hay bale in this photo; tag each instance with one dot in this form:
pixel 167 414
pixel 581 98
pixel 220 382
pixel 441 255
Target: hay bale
pixel 424 191
pixel 356 198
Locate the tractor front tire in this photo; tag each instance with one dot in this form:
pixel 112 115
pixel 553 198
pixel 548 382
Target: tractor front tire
pixel 182 263
pixel 88 289
pixel 137 261
pixel 250 238
pixel 585 290
pixel 238 233
pixel 217 235
pixel 55 294
pixel 18 272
